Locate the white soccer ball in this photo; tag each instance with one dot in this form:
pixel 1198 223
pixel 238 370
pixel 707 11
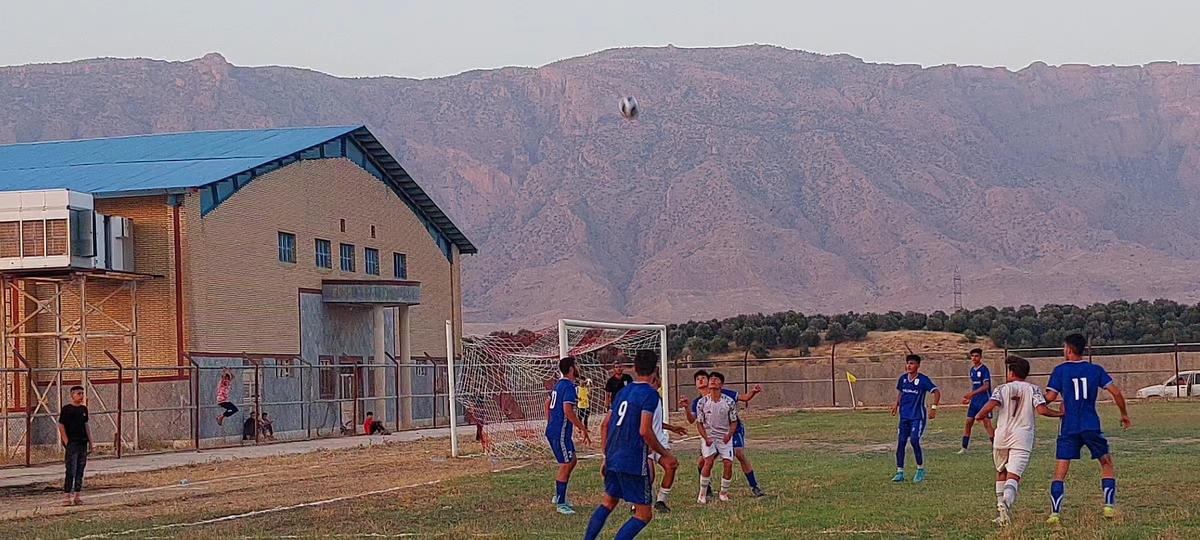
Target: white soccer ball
pixel 629 108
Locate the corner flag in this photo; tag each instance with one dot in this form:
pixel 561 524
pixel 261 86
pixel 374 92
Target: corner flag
pixel 851 378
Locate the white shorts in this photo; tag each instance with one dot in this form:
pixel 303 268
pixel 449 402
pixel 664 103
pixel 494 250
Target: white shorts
pixel 655 455
pixel 722 449
pixel 1012 460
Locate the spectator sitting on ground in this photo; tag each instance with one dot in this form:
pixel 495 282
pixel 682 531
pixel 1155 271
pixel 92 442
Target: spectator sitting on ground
pixel 250 427
pixel 266 429
pixel 372 426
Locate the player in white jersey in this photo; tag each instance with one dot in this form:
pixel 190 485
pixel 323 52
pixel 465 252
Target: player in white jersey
pixel 717 420
pixel 1016 405
pixel 660 430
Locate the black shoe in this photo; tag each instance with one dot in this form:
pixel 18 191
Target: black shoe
pixel 661 507
pixel 758 492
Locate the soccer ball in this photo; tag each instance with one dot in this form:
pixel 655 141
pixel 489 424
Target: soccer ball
pixel 629 108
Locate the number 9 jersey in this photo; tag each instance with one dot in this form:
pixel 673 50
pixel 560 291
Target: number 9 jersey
pixel 625 451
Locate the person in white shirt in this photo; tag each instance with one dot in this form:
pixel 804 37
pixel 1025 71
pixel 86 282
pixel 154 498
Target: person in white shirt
pixel 717 421
pixel 1016 405
pixel 660 430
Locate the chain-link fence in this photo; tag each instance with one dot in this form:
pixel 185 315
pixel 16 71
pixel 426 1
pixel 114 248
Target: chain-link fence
pixel 267 398
pixel 1163 371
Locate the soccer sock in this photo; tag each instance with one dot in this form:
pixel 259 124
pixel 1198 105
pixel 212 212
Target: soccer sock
pixel 1110 491
pixel 916 444
pixel 999 490
pixel 705 483
pixel 966 442
pixel 663 493
pixel 1057 492
pixel 596 524
pixel 900 453
pixel 725 482
pixel 560 492
pixel 750 478
pixel 630 529
pixel 1010 492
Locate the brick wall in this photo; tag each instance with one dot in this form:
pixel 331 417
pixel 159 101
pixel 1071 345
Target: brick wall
pixel 240 297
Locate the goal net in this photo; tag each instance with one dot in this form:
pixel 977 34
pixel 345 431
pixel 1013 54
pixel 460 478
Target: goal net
pixel 505 378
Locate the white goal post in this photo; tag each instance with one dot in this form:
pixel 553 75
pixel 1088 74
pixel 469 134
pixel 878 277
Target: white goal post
pixel 501 381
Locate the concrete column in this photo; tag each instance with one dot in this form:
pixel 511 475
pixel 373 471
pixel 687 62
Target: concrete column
pixel 404 357
pixel 379 388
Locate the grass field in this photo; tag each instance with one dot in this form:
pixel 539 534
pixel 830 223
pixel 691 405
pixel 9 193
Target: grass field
pixel 827 475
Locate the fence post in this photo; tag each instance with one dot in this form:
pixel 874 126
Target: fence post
pixel 832 376
pixel 1188 388
pixel 396 385
pixel 746 374
pixel 675 374
pixel 305 402
pixel 195 400
pixel 120 409
pixel 257 400
pixel 31 394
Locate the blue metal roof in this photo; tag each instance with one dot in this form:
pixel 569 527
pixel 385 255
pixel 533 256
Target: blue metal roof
pixel 176 162
pixel 164 162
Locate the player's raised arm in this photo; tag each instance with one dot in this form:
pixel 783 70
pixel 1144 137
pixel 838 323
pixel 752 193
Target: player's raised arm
pixel 745 398
pixel 691 414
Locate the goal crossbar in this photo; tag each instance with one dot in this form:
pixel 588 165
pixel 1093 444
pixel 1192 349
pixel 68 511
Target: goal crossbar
pixel 564 349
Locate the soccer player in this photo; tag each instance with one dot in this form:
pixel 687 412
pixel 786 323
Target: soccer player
pixel 739 437
pixel 660 430
pixel 1078 383
pixel 717 421
pixel 581 388
pixel 615 383
pixel 560 418
pixel 627 436
pixel 910 404
pixel 981 388
pixel 1018 404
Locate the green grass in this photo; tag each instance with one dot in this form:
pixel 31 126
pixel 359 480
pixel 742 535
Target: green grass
pixel 827 475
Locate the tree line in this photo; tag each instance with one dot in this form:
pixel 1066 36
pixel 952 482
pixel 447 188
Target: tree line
pixel 1115 323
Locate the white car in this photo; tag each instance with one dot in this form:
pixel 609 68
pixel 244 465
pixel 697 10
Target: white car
pixel 1187 384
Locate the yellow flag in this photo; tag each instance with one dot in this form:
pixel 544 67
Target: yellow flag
pixel 850 377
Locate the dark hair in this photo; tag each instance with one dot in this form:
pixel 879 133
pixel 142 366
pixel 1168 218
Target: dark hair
pixel 1076 342
pixel 976 351
pixel 565 364
pixel 1018 366
pixel 369 413
pixel 76 387
pixel 645 363
pixel 717 375
pixel 912 358
pixel 699 374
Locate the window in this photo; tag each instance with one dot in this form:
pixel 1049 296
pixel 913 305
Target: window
pixel 343 223
pixel 347 257
pixel 249 389
pixel 372 231
pixel 328 382
pixel 287 247
pixel 324 257
pixel 400 265
pixel 285 368
pixel 372 265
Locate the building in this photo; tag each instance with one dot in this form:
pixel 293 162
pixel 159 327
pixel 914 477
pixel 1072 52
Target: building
pixel 279 249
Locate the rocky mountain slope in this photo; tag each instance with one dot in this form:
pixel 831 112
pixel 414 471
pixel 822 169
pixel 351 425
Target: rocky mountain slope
pixel 756 179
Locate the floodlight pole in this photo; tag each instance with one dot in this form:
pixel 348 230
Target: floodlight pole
pixel 450 387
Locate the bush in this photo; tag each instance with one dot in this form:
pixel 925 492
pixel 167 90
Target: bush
pixel 759 350
pixel 790 336
pixel 856 331
pixel 719 345
pixel 835 333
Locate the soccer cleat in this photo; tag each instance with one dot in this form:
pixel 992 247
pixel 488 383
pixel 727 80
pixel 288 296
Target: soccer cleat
pixel 920 476
pixel 1053 519
pixel 1109 512
pixel 566 510
pixel 899 477
pixel 1005 514
pixel 554 500
pixel 702 499
pixel 758 492
pixel 961 452
pixel 661 507
pixel 724 496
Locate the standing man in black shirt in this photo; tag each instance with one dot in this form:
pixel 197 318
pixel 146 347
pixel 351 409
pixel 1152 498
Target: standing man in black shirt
pixel 615 383
pixel 77 438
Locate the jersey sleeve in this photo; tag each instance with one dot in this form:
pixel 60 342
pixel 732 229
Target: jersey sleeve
pixel 1039 398
pixel 1055 381
pixel 931 386
pixel 695 402
pixel 996 395
pixel 733 414
pixel 699 411
pixel 1105 379
pixel 900 383
pixel 569 395
pixel 985 375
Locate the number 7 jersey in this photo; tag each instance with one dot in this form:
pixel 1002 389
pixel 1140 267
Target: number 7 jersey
pixel 1016 414
pixel 1079 383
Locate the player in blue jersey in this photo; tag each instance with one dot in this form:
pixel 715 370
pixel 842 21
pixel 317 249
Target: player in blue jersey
pixel 910 405
pixel 1079 384
pixel 739 437
pixel 981 388
pixel 560 419
pixel 628 438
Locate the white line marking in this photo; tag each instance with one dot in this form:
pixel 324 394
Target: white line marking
pixel 512 468
pixel 255 512
pixel 173 486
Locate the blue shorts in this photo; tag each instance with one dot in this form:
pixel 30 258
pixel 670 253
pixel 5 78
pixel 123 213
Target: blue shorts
pixel 974 408
pixel 563 448
pixel 913 429
pixel 1071 446
pixel 739 439
pixel 631 488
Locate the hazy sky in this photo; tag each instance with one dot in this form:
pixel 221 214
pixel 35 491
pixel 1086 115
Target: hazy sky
pixel 441 37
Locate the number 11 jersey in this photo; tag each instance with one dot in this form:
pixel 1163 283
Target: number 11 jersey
pixel 1079 383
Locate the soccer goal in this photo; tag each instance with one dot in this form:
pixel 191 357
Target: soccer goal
pixel 503 379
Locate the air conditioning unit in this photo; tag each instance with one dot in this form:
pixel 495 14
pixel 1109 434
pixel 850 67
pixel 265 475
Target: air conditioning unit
pixel 60 229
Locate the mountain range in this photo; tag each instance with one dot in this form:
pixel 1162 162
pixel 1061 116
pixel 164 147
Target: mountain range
pixel 755 179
